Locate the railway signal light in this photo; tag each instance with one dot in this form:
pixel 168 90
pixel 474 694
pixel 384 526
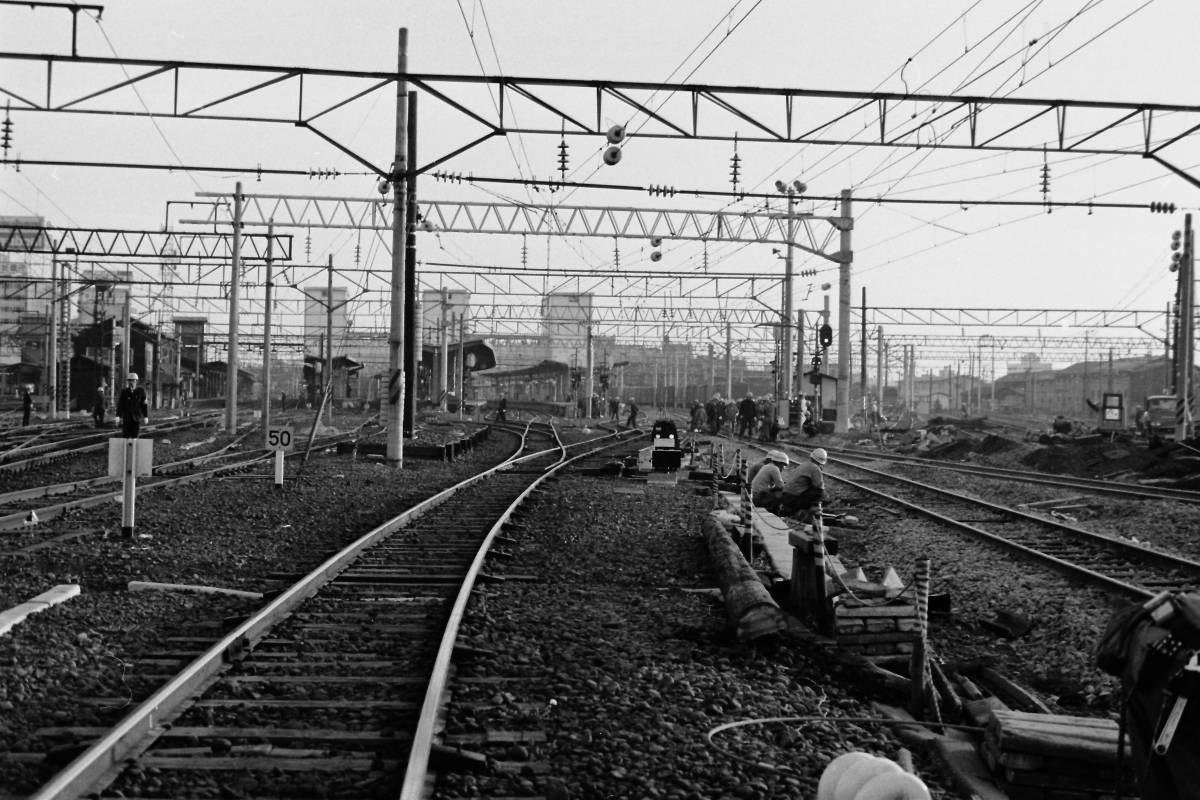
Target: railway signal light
pixel 1162 208
pixel 825 335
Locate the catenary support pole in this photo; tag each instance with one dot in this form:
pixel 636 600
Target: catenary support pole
pixel 396 340
pixel 460 368
pixel 1184 340
pixel 235 279
pixel 52 355
pixel 845 258
pixel 863 354
pixel 329 341
pixel 728 362
pixel 783 400
pixel 412 334
pixel 126 334
pixel 443 355
pixel 589 384
pixel 266 370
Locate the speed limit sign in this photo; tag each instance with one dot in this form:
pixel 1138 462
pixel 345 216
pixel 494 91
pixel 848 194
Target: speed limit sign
pixel 279 438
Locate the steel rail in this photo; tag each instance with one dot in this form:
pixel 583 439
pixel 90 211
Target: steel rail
pixel 1132 591
pixel 1136 551
pixel 17 519
pixel 105 757
pixel 1118 488
pixel 413 787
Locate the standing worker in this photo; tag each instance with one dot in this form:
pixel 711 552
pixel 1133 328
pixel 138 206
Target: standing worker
pixel 131 407
pixel 98 407
pixel 747 414
pixel 633 412
pixel 26 406
pixel 805 487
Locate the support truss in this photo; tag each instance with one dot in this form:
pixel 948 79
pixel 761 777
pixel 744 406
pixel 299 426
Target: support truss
pixel 564 106
pixel 113 243
pixel 1015 317
pixel 306 211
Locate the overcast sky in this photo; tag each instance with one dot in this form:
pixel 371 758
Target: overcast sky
pixel 948 256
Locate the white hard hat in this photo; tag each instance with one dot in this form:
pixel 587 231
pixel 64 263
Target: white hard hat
pixel 133 376
pixel 819 455
pixel 778 456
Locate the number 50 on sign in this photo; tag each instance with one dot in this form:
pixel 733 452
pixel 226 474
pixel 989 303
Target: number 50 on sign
pixel 279 438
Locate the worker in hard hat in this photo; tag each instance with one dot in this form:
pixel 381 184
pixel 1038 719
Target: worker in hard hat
pixel 766 481
pixel 805 486
pixel 131 407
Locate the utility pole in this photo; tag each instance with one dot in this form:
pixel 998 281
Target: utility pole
pixel 235 274
pixel 396 337
pixel 412 334
pixel 728 361
pixel 589 384
pixel 1184 341
pixel 863 352
pixel 266 371
pixel 799 388
pixel 127 338
pixel 845 259
pixel 785 361
pixel 712 371
pixel 329 340
pixel 879 359
pixel 461 371
pixel 52 355
pixel 444 355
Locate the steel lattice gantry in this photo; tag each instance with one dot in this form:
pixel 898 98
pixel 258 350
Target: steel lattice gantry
pixel 1014 317
pixel 443 216
pixel 565 106
pixel 114 243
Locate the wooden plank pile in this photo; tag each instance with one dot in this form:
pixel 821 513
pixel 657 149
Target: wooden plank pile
pixel 1055 757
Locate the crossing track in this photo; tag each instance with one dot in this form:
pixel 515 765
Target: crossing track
pixel 1093 485
pixel 84 494
pixel 338 681
pixel 59 442
pixel 1117 566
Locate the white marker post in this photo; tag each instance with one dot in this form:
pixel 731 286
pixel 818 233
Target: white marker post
pixel 129 488
pixel 279 438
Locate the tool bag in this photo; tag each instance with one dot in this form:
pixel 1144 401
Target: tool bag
pixel 1147 646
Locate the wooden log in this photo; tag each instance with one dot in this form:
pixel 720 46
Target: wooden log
pixel 1055 502
pixel 749 605
pixel 142 586
pixel 945 689
pixel 1013 693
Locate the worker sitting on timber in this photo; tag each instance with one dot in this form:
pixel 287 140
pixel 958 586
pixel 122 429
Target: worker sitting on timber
pixel 766 481
pixel 804 489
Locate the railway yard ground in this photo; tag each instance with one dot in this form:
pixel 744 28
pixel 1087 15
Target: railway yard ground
pixel 617 655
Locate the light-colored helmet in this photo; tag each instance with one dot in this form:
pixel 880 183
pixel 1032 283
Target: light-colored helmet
pixel 133 376
pixel 819 455
pixel 779 457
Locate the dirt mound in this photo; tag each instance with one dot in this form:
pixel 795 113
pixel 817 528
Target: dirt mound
pixel 1106 459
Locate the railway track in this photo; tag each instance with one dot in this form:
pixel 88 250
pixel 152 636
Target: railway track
pixel 1093 485
pixel 1117 566
pixel 25 506
pixel 334 687
pixel 37 451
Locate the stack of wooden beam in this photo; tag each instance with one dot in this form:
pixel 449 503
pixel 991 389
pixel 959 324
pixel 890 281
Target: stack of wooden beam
pixel 1054 757
pixel 874 630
